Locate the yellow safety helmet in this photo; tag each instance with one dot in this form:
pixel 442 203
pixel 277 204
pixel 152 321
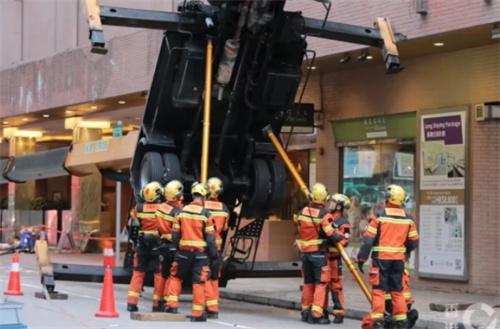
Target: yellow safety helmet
pixel 152 192
pixel 214 185
pixel 173 190
pixel 199 188
pixel 395 195
pixel 319 193
pixel 341 200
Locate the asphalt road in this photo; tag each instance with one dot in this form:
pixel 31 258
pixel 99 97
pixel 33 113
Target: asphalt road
pixel 78 311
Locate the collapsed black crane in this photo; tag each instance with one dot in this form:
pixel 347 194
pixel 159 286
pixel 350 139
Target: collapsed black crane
pixel 259 51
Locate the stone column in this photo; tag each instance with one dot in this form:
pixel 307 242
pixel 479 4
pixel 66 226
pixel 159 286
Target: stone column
pixel 86 191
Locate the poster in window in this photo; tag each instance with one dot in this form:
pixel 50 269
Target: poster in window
pixel 442 151
pixel 442 211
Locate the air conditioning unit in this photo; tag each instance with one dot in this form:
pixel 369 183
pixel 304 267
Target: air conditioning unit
pixel 487 111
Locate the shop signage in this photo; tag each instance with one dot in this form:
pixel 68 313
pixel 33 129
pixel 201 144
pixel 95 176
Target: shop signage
pixel 98 146
pixel 442 209
pixel 301 118
pixel 400 126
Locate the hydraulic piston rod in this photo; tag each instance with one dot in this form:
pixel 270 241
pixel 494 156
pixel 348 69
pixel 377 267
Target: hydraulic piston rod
pixel 270 134
pixel 206 113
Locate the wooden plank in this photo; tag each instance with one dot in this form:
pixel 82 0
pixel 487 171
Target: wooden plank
pixel 157 316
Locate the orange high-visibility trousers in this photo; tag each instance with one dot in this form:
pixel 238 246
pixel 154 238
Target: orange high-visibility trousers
pixel 159 288
pixel 336 286
pixel 197 264
pixel 316 275
pixel 212 285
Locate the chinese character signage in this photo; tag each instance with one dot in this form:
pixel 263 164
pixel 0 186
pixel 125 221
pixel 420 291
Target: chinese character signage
pixel 443 169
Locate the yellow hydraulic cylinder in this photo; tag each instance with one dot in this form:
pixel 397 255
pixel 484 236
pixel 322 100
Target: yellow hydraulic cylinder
pixel 269 132
pixel 206 113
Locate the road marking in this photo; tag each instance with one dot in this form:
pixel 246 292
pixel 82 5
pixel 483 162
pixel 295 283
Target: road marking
pixel 232 325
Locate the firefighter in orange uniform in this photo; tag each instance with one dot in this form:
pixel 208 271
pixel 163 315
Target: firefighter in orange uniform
pixel 338 205
pixel 146 252
pixel 165 214
pixel 193 233
pixel 391 236
pixel 220 215
pixel 314 230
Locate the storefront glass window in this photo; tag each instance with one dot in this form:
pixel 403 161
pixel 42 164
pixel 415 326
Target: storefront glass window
pixel 367 169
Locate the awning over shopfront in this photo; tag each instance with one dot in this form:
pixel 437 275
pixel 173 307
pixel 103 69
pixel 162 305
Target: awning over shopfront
pixel 115 153
pixel 40 165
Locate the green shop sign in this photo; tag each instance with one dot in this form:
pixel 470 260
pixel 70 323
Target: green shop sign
pixel 386 126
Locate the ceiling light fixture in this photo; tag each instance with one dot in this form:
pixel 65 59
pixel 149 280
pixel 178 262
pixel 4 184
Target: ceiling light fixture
pixel 311 67
pixel 46 115
pixel 438 44
pixel 345 59
pixel 25 119
pixel 122 102
pixel 93 107
pixel 69 112
pixel 6 122
pixel 369 57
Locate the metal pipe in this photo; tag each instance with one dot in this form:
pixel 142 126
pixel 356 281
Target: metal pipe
pixel 206 113
pixel 118 220
pixel 303 187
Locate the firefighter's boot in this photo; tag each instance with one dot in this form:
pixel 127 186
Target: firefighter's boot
pixel 201 318
pixel 304 315
pixel 401 324
pixel 379 324
pixel 132 307
pixel 173 310
pixel 212 315
pixel 338 319
pixel 321 320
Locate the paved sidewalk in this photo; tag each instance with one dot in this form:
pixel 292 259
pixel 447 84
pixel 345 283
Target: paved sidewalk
pixel 284 292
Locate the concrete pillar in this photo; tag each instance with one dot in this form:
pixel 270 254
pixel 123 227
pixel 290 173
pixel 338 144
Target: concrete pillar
pixel 21 195
pixel 86 192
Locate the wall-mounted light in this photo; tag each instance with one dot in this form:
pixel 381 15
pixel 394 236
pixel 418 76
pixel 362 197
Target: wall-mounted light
pixel 421 7
pixel 495 31
pixel 46 115
pixel 69 112
pixel 363 56
pixel 5 122
pixel 121 102
pixel 93 107
pixel 311 68
pixel 438 44
pixel 25 119
pixel 345 59
pixel 369 57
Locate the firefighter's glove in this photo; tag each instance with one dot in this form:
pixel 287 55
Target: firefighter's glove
pixel 337 237
pixel 361 262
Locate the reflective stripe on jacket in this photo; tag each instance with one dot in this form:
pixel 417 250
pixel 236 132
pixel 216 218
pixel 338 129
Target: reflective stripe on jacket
pixel 391 235
pixel 192 225
pixel 314 227
pixel 220 216
pixel 146 214
pixel 165 215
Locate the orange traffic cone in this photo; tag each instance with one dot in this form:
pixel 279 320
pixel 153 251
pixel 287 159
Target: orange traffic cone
pixel 109 255
pixel 14 288
pixel 107 308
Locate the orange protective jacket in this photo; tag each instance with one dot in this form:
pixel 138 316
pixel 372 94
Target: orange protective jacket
pixel 220 216
pixel 314 226
pixel 341 224
pixel 165 215
pixel 391 235
pixel 146 214
pixel 193 227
